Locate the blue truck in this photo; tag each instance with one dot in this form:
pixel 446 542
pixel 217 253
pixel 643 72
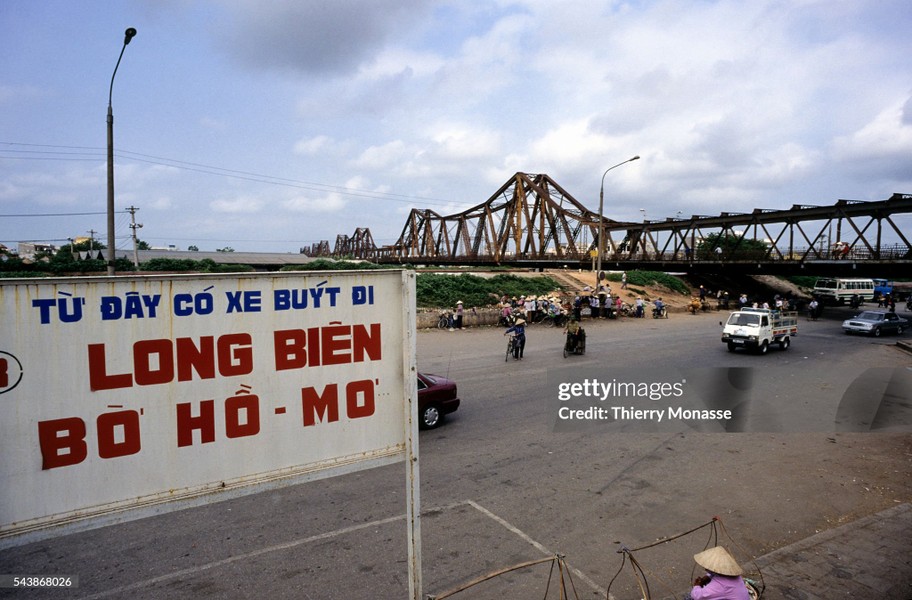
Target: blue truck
pixel 899 290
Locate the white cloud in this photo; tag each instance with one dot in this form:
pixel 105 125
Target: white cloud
pixel 312 146
pixel 888 135
pixel 244 205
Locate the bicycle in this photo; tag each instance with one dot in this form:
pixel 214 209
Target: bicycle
pixel 553 320
pixel 511 347
pixel 445 321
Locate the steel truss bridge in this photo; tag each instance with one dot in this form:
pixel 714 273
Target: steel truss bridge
pixel 532 222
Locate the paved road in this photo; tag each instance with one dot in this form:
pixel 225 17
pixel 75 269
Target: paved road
pixel 500 486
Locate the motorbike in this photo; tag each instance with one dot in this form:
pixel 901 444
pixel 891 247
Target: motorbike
pixel 660 313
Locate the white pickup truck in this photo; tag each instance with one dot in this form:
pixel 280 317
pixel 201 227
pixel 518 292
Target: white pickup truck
pixel 758 328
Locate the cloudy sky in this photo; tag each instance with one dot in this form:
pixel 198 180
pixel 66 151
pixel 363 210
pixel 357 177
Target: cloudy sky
pixel 268 125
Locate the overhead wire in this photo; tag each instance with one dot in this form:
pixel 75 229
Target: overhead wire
pixel 99 153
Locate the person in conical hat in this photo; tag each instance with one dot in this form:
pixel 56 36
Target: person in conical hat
pixel 723 577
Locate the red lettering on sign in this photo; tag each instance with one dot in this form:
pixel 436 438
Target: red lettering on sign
pixel 98 374
pixel 234 406
pixel 235 354
pixel 359 399
pixel 324 406
pixel 156 362
pixel 367 344
pixel 107 424
pixel 62 442
pixel 160 352
pixel 290 352
pixel 187 423
pixel 335 344
pixel 195 358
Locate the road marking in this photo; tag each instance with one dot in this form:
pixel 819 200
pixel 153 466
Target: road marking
pixel 205 567
pixel 331 534
pixel 512 528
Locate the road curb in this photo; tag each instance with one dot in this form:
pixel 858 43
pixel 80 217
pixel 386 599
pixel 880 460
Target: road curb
pixel 868 558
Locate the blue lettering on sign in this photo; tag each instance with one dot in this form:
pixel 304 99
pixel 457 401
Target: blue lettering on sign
pixel 244 301
pixel 201 303
pixel 307 297
pixel 69 309
pixel 362 294
pixel 133 306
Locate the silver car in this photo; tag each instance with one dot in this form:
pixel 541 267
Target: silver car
pixel 875 322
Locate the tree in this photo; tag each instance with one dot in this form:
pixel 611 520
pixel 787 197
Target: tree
pixel 734 247
pixel 225 249
pixel 193 248
pixel 141 245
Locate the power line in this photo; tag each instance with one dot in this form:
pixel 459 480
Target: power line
pixel 65 155
pixel 72 214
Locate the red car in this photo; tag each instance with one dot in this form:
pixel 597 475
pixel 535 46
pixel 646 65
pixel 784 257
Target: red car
pixel 436 397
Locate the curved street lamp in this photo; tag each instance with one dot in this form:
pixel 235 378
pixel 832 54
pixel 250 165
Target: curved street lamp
pixel 128 35
pixel 601 247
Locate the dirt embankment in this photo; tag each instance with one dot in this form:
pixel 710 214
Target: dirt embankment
pixel 757 287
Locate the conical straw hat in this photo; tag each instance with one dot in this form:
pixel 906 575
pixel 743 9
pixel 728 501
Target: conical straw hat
pixel 718 560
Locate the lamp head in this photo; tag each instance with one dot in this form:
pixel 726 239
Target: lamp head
pixel 128 35
pixel 637 157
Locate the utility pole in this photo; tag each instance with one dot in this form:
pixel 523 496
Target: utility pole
pixel 92 233
pixel 134 226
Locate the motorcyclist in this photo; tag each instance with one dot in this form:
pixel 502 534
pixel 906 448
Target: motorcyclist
pixel 659 306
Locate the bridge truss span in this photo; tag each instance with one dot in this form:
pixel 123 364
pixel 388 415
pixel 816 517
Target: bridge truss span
pixel 532 221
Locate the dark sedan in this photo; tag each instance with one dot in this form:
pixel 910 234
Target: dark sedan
pixel 436 397
pixel 875 322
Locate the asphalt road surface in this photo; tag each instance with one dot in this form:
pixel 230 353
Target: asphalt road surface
pixel 505 481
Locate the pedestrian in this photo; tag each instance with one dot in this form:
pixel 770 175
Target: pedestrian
pixel 460 313
pixel 577 307
pixel 624 280
pixel 722 580
pixel 519 330
pixel 639 307
pixel 813 307
pixel 594 305
pixel 702 294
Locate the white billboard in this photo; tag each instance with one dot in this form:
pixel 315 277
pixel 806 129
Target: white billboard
pixel 130 392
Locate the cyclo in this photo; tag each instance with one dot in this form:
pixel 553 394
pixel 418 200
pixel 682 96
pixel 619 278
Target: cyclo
pixel 576 339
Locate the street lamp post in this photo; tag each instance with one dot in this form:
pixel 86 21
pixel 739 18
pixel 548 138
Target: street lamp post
pixel 601 247
pixel 128 35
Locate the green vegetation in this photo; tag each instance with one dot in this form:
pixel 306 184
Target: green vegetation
pixel 326 264
pixel 445 290
pixel 734 247
pixel 651 279
pixel 804 281
pixel 64 264
pixel 187 265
